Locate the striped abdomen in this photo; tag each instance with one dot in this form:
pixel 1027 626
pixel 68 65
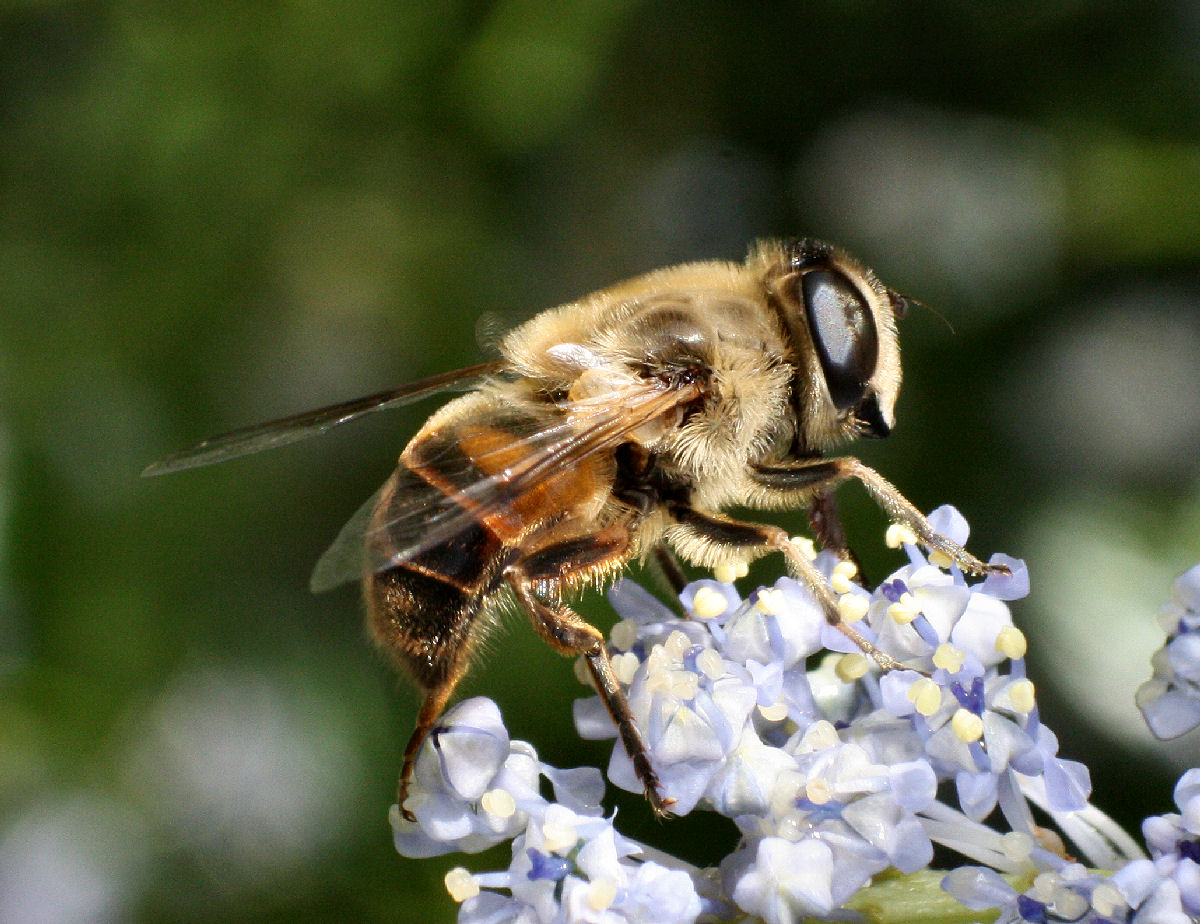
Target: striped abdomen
pixel 425 610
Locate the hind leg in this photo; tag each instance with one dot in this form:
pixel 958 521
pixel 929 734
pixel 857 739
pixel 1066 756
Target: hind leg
pixel 567 632
pixel 425 624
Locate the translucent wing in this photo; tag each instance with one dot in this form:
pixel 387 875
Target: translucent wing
pixel 275 433
pixel 345 559
pixel 420 517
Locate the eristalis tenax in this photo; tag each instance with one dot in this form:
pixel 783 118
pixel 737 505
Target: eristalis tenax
pixel 611 429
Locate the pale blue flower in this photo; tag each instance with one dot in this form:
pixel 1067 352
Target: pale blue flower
pixel 1170 701
pixel 787 882
pixel 832 776
pixel 470 754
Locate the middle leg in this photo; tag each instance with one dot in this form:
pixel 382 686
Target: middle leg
pixel 763 536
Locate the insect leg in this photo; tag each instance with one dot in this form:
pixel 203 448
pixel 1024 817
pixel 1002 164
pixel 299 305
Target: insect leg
pixel 829 473
pixel 426 623
pixel 431 708
pixel 826 523
pixel 671 570
pixel 567 632
pixel 763 536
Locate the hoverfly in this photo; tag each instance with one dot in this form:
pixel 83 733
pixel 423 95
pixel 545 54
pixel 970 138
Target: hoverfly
pixel 614 428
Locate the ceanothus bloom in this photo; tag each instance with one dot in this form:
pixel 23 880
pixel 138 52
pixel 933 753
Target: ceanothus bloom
pixel 1170 701
pixel 833 772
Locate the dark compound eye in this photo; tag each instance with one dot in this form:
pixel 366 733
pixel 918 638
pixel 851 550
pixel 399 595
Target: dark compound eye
pixel 843 333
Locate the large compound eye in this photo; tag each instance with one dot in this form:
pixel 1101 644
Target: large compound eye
pixel 843 333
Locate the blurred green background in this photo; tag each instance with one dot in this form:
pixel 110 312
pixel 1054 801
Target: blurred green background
pixel 217 213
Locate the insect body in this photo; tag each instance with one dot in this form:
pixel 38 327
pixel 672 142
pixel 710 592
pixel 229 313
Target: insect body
pixel 611 429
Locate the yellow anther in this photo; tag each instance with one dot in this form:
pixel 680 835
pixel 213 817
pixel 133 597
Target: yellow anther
pixel 741 569
pixel 711 664
pixel 851 667
pixel 805 547
pixel 660 660
pixel 818 791
pixel 677 645
pixel 1069 904
pixel 926 696
pixel 558 836
pixel 461 884
pixel 905 610
pixel 898 534
pixel 709 603
pixel 624 634
pixel 601 894
pixel 842 578
pixel 684 685
pixel 1011 642
pixel 819 736
pixel 852 607
pixel 774 713
pixel 498 802
pixel 940 559
pixel 1108 901
pixel 625 666
pixel 967 725
pixel 1017 846
pixel 949 658
pixel 1021 693
pixel 726 572
pixel 771 600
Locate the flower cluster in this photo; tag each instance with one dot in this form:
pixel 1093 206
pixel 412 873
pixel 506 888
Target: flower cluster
pixel 832 771
pixel 474 788
pixel 1170 701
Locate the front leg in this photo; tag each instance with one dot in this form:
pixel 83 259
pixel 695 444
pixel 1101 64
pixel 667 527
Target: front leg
pixel 825 474
pixel 732 533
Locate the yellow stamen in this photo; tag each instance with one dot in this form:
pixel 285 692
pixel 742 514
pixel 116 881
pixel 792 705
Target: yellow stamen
pixel 852 607
pixel 926 696
pixel 905 610
pixel 771 600
pixel 558 836
pixel 498 802
pixel 940 559
pixel 461 884
pixel 601 894
pixel 625 666
pixel 1021 693
pixel 818 791
pixel 775 713
pixel 949 658
pixel 1011 642
pixel 684 685
pixel 711 664
pixel 967 726
pixel 806 547
pixel 677 645
pixel 851 667
pixel 898 534
pixel 726 572
pixel 624 634
pixel 709 603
